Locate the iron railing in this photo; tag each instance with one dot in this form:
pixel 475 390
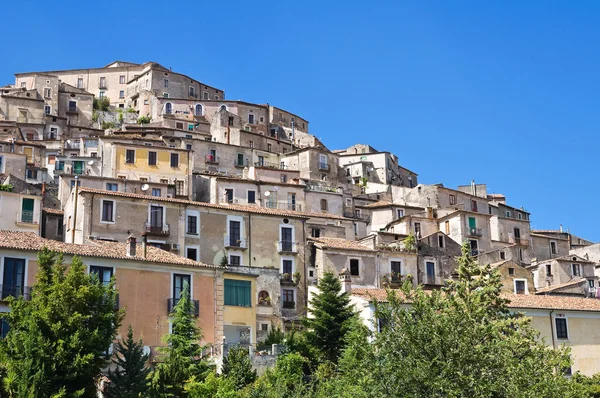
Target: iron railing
pixel 156 229
pixel 235 241
pixel 15 291
pixel 287 246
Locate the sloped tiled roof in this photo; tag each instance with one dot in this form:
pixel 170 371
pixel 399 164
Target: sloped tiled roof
pixel 522 301
pixel 572 283
pixel 339 243
pixel 31 242
pixel 234 207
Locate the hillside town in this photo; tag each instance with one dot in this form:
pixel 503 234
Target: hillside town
pixel 159 181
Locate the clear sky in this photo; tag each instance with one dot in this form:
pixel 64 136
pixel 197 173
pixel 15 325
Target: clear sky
pixel 502 92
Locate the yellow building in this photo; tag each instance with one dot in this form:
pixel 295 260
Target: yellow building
pixel 239 309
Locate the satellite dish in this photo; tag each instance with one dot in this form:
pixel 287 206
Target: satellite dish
pixel 146 350
pixel 267 193
pixel 91 162
pixel 145 187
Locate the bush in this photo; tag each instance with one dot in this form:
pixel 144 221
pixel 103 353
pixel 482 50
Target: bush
pixel 144 119
pixel 102 104
pixel 107 125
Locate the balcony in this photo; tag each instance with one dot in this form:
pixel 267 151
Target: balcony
pixel 172 302
pixel 72 110
pixel 284 246
pixel 237 163
pixel 212 159
pixel 270 165
pixel 235 242
pixel 591 292
pixel 26 217
pixel 520 241
pixel 476 232
pixel 15 291
pixel 290 305
pixel 102 84
pixel 156 229
pixel 362 217
pixel 324 166
pixel 283 206
pixel 289 279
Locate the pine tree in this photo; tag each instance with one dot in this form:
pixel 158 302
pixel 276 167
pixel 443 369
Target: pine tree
pixel 237 367
pixel 330 318
pixel 128 379
pixel 182 356
pixel 57 341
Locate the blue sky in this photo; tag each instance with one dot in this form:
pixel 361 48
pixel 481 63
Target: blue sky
pixel 504 92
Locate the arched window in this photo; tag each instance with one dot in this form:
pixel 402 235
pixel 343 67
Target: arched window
pixel 168 108
pixel 198 110
pixel 223 108
pixel 263 298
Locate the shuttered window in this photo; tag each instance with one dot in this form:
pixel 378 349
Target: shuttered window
pixel 237 293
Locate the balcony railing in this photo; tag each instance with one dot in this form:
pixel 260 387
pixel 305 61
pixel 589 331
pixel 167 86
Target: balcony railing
pixel 26 216
pixel 287 246
pixel 72 109
pixel 211 159
pixel 235 242
pixel 520 241
pixel 290 305
pixel 475 231
pixel 237 163
pixel 363 217
pixel 15 291
pixel 172 302
pixel 591 292
pixel 283 206
pixel 157 229
pixel 324 166
pixel 270 165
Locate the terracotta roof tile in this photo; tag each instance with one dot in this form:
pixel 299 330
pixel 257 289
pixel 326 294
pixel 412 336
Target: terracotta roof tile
pixel 53 211
pixel 234 207
pixel 338 243
pixel 31 242
pixel 522 301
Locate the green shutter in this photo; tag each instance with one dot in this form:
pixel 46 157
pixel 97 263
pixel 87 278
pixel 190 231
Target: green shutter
pixel 472 223
pixel 237 293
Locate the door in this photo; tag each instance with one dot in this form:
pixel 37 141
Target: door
pixel 291 201
pixel 229 195
pixel 472 224
pixel 179 282
pixel 156 216
pixel 234 233
pixel 14 277
pixel 286 239
pixel 27 210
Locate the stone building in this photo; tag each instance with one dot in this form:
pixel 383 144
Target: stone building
pixel 558 271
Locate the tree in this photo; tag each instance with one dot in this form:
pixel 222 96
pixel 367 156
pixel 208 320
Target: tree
pixel 182 356
pixel 57 342
pixel 462 342
pixel 330 318
pixel 129 378
pixel 237 367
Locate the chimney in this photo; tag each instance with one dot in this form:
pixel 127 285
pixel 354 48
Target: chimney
pixel 473 188
pixel 560 229
pixel 131 246
pixel 345 280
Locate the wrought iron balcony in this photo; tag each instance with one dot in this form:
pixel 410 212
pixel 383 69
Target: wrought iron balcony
pixel 475 232
pixel 26 216
pixel 324 166
pixel 232 241
pixel 15 291
pixel 270 165
pixel 209 158
pixel 237 163
pixel 285 246
pixel 289 305
pixel 156 229
pixel 172 302
pixel 283 206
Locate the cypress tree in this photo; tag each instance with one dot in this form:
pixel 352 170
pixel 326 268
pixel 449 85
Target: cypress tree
pixel 238 368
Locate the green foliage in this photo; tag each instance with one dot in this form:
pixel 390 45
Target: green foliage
pixel 144 119
pixel 121 117
pixel 57 341
pixel 591 385
pixel 6 187
pixel 237 367
pixel 410 243
pixel 129 378
pixel 94 116
pixel 182 357
pixel 331 315
pixel 107 125
pixel 130 110
pixel 212 387
pixel 275 336
pixel 285 380
pixel 101 104
pixel 224 262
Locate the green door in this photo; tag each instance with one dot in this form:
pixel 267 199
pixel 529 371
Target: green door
pixel 77 167
pixel 27 210
pixel 472 223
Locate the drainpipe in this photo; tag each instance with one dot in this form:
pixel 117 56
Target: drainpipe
pixel 249 240
pixel 304 261
pixel 552 330
pixel 91 228
pixel 75 209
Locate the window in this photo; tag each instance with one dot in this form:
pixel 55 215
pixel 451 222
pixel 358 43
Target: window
pixel 122 79
pixel 418 229
pixel 502 255
pixel 191 253
pixel 174 160
pixel 396 267
pixel 269 147
pixel 229 195
pixel 251 144
pixel 399 213
pixel 130 156
pixel 324 204
pixel 447 227
pixel 287 267
pixel 166 83
pixel 156 192
pixel 283 178
pixel 287 239
pixel 102 82
pixel 190 127
pixel 179 125
pixel 251 196
pixel 192 224
pixel 430 269
pixel 192 91
pixel 452 199
pixel 104 274
pixel 198 111
pixel 354 267
pixel 315 232
pixel 235 236
pixel 251 118
pixel 511 271
pixel 473 205
pixel 14 277
pixel 237 293
pixel 548 269
pixel 507 213
pixel 59 226
pixel 101 94
pixel 205 95
pixel 552 247
pixel 474 247
pixel 517 234
pixel 108 211
pixel 561 328
pixel 576 269
pixel 47 93
pixel 47 109
pixel 520 286
pixel 122 94
pixel 235 260
pixel 179 283
pixel 112 186
pixel 32 174
pixel 80 82
pixel 72 106
pixel 441 241
pixel 168 107
pixel 179 188
pixel 591 283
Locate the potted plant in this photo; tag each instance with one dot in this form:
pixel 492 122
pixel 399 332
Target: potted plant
pixel 286 277
pixel 296 276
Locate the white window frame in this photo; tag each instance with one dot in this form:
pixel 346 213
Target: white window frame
pixel 435 267
pixel 293 232
pixel 515 280
pixel 171 286
pixel 556 331
pixel 348 201
pixel 255 197
pixel 555 246
pixel 573 269
pixel 151 205
pixel 197 247
pixel 396 259
pixel 232 194
pixel 201 110
pixel 236 254
pixel 114 215
pixel 242 232
pixel 399 213
pixel 192 213
pixel 49 107
pixel 19 258
pixel 122 79
pixel 291 258
pixel 321 157
pixel 349 268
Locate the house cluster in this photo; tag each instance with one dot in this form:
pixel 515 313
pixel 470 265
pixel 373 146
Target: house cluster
pixel 159 181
